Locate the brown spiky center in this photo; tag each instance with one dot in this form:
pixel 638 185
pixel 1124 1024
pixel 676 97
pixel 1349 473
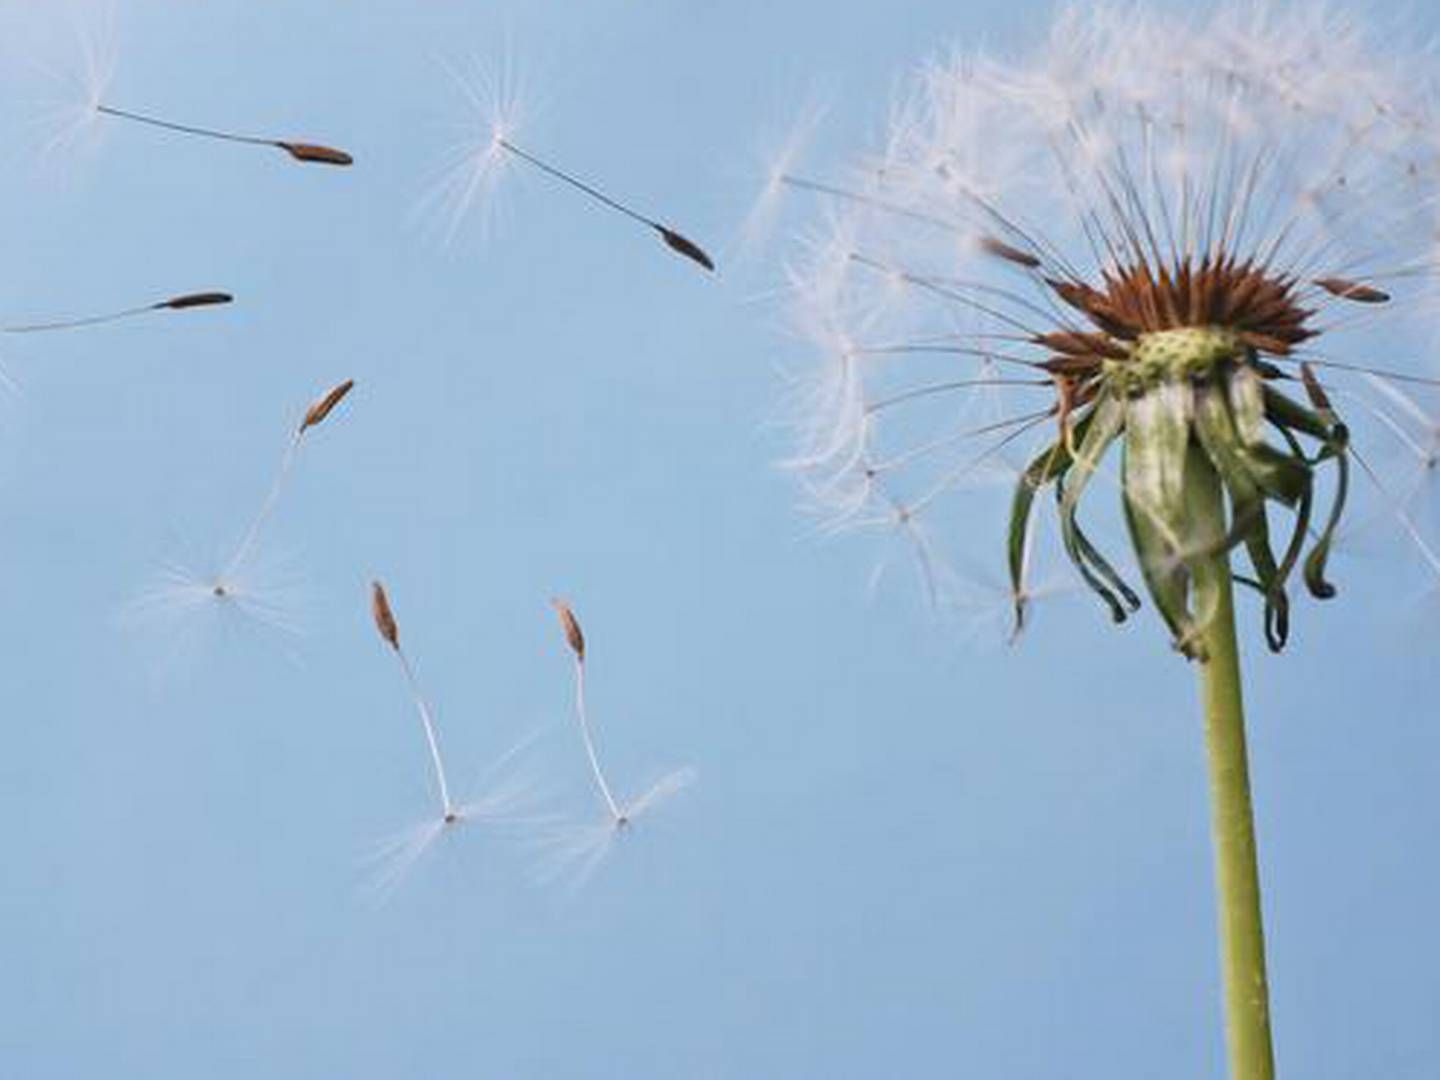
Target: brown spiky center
pixel 1220 307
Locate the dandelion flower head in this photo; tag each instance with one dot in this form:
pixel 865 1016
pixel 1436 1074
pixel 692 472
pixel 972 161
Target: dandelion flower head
pixel 1203 238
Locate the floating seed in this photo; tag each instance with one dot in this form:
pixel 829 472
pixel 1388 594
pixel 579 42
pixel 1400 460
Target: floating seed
pixel 322 405
pixel 384 617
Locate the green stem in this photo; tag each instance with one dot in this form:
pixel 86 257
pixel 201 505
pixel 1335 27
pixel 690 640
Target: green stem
pixel 1237 878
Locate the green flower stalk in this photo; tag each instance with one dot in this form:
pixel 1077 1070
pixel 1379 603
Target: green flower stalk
pixel 1185 236
pixel 1190 400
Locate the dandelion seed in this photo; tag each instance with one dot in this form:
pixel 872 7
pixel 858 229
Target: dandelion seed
pixel 503 795
pixel 300 151
pixel 314 414
pixel 175 303
pixel 473 167
pixel 673 239
pixel 1353 290
pixel 385 624
pixel 576 640
pixel 574 850
pixel 83 104
pixel 241 582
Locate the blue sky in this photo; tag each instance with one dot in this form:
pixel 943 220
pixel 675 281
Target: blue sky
pixel 904 854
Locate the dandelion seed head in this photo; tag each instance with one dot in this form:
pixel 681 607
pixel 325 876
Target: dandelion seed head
pixel 1146 199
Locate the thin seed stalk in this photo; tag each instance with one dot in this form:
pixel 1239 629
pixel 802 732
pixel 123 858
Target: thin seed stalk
pixel 1232 824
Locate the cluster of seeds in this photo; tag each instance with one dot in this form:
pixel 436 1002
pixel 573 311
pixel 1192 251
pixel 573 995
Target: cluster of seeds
pixel 229 588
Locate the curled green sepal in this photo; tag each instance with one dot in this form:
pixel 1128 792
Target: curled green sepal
pixel 1252 471
pixel 1301 529
pixel 1334 437
pixel 1107 421
pixel 1096 561
pixel 1267 570
pixel 1320 553
pixel 1046 466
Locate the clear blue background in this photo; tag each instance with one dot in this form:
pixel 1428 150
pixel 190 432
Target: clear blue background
pixel 904 856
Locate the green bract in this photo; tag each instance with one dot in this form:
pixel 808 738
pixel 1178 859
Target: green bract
pixel 1182 399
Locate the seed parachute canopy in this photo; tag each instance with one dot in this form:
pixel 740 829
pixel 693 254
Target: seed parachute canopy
pixel 1184 238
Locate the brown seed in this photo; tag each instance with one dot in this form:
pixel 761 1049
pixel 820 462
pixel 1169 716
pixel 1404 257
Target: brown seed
pixel 1313 389
pixel 195 299
pixel 1097 306
pixel 1080 343
pixel 1268 343
pixel 324 155
pixel 1071 365
pixel 1352 290
pixel 685 246
pixel 384 617
pixel 1005 251
pixel 320 408
pixel 571 626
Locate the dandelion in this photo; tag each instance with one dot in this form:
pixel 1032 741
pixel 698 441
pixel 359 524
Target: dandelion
pixel 499 802
pixel 242 581
pixel 1181 237
pixel 476 162
pixel 575 850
